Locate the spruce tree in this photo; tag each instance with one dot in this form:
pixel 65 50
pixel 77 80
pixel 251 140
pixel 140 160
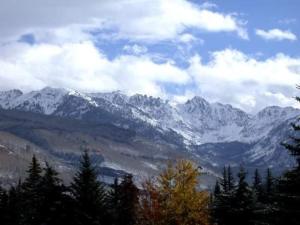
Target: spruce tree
pixel 257 186
pixel 217 190
pixel 261 212
pixel 224 180
pixel 288 196
pixel 243 207
pixel 113 201
pixel 224 202
pixel 14 206
pixel 128 202
pixel 52 198
pixel 230 179
pixel 3 206
pixel 31 194
pixel 89 195
pixel 217 208
pixel 269 184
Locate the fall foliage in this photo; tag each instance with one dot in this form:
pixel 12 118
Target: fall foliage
pixel 174 197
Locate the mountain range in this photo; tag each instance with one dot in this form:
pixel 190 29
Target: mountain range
pixel 138 133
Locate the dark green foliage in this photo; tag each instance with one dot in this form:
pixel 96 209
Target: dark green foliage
pixel 127 209
pixel 123 199
pixel 240 203
pixel 224 180
pixel 288 196
pixel 14 207
pixel 269 184
pixel 3 205
pixel 224 199
pixel 243 204
pixel 89 195
pixel 114 199
pixel 53 199
pixel 31 196
pixel 42 199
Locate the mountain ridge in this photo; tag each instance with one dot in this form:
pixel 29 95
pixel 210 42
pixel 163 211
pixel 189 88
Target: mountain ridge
pixel 197 127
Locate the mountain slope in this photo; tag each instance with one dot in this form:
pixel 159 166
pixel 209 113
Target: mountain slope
pixel 214 134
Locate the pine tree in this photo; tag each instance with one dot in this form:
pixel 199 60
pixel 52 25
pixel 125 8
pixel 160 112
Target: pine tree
pixel 288 186
pixel 261 209
pixel 14 206
pixel 243 213
pixel 224 180
pixel 230 180
pixel 89 195
pixel 217 190
pixel 224 201
pixel 3 206
pixel 31 194
pixel 217 209
pixel 52 210
pixel 113 202
pixel 128 202
pixel 257 186
pixel 269 184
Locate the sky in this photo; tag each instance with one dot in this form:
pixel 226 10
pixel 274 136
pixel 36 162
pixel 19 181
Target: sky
pixel 240 52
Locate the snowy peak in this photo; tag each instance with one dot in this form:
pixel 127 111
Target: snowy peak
pixel 197 120
pixel 196 105
pixel 145 101
pixel 272 113
pixel 7 96
pixel 44 101
pixel 115 97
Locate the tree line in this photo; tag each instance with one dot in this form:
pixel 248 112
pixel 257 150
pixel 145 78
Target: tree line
pixel 43 199
pixel 272 201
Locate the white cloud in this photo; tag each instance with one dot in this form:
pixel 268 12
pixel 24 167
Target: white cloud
pixel 234 77
pixel 187 38
pixel 137 20
pixel 135 49
pixel 276 34
pixel 230 76
pixel 82 67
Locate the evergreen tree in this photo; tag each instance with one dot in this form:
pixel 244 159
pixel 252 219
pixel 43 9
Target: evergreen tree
pixel 269 184
pixel 31 194
pixel 257 186
pixel 3 206
pixel 113 201
pixel 217 190
pixel 14 207
pixel 288 196
pixel 53 211
pixel 261 209
pixel 230 180
pixel 89 195
pixel 224 181
pixel 128 202
pixel 217 208
pixel 243 213
pixel 224 201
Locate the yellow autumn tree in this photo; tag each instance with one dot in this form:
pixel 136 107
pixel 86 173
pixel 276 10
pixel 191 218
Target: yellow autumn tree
pixel 178 201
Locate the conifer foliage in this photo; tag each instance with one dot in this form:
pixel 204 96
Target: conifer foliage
pixel 289 185
pixel 243 203
pixel 89 194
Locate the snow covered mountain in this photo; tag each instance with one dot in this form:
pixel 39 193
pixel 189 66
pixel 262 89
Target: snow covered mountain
pixel 215 133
